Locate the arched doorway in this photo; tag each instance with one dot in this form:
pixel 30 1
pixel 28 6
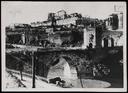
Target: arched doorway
pixel 112 42
pixel 105 42
pixel 61 68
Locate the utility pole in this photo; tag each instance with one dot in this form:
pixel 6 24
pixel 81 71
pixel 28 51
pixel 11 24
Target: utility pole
pixel 79 76
pixel 81 81
pixel 33 70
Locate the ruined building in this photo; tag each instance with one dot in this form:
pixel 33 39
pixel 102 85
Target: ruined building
pixel 64 30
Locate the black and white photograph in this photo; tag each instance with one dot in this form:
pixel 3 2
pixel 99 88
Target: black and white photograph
pixel 63 46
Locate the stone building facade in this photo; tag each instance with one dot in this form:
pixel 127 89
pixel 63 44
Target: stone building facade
pixel 115 21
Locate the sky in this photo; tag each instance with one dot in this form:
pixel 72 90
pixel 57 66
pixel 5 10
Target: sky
pixel 27 12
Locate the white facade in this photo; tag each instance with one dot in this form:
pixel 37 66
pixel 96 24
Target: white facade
pixel 87 35
pixel 67 21
pixel 120 16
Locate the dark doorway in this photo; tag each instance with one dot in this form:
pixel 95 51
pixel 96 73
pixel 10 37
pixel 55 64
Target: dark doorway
pixel 112 42
pixel 105 42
